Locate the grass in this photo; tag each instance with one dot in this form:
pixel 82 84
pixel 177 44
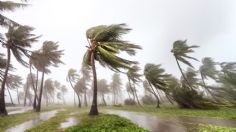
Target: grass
pixel 222 113
pixel 104 123
pixel 12 120
pixel 15 119
pixel 53 123
pixel 212 128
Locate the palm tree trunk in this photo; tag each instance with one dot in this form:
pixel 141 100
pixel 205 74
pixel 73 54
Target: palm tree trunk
pixel 207 88
pixel 74 99
pixel 38 108
pixel 94 109
pixel 79 100
pixel 3 111
pixel 154 93
pixel 35 93
pixel 183 74
pixel 34 86
pixel 135 92
pixel 103 99
pixel 26 92
pixel 131 89
pixel 10 95
pixel 18 98
pixel 85 98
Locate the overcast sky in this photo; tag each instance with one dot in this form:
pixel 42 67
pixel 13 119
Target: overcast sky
pixel 156 24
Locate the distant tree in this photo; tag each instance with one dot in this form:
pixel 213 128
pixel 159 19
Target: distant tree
pixel 86 76
pixel 103 88
pixel 180 50
pixel 79 89
pixel 134 77
pixel 72 77
pixel 63 91
pixel 116 87
pixel 49 90
pixel 14 82
pixel 208 69
pixel 156 76
pixel 104 44
pixel 18 38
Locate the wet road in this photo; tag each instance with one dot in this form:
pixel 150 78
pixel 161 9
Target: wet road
pixel 29 124
pixel 156 123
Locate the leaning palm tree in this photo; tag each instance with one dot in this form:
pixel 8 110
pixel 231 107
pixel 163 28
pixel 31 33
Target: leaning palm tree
pixel 17 39
pixel 14 82
pixel 156 76
pixel 180 50
pixel 208 69
pixel 104 44
pixel 72 77
pixel 79 89
pixel 134 77
pixel 86 76
pixel 49 56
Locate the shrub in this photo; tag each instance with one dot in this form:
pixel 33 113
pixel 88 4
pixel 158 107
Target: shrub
pixel 129 102
pixel 148 100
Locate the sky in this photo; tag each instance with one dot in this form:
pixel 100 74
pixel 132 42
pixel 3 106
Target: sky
pixel 156 24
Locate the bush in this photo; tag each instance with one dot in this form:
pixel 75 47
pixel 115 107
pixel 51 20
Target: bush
pixel 148 100
pixel 129 102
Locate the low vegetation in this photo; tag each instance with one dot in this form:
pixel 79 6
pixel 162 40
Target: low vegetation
pixel 104 123
pixel 221 113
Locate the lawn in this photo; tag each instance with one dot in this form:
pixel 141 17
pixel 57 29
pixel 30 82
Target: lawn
pixel 221 113
pixel 104 123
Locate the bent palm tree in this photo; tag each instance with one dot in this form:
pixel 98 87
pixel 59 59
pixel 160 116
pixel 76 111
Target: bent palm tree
pixel 180 50
pixel 104 44
pixel 208 69
pixel 156 76
pixel 17 39
pixel 72 77
pixel 134 77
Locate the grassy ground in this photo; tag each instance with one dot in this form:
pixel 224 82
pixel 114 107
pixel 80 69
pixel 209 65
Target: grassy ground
pixel 104 123
pixel 222 113
pixel 53 123
pixel 12 120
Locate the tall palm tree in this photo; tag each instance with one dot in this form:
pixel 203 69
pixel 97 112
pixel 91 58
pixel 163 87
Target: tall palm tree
pixel 103 88
pixel 18 38
pixel 134 77
pixel 104 44
pixel 86 76
pixel 72 77
pixel 116 87
pixel 208 69
pixel 180 50
pixel 49 56
pixel 14 82
pixel 156 76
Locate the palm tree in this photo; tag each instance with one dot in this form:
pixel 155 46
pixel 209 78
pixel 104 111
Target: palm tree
pixel 14 82
pixel 79 89
pixel 9 6
pixel 17 39
pixel 49 90
pixel 85 70
pixel 134 77
pixel 49 56
pixel 180 50
pixel 104 44
pixel 103 89
pixel 116 87
pixel 156 76
pixel 72 77
pixel 63 91
pixel 208 69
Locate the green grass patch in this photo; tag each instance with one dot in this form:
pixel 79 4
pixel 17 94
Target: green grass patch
pixel 221 113
pixel 12 120
pixel 53 123
pixel 212 128
pixel 104 123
